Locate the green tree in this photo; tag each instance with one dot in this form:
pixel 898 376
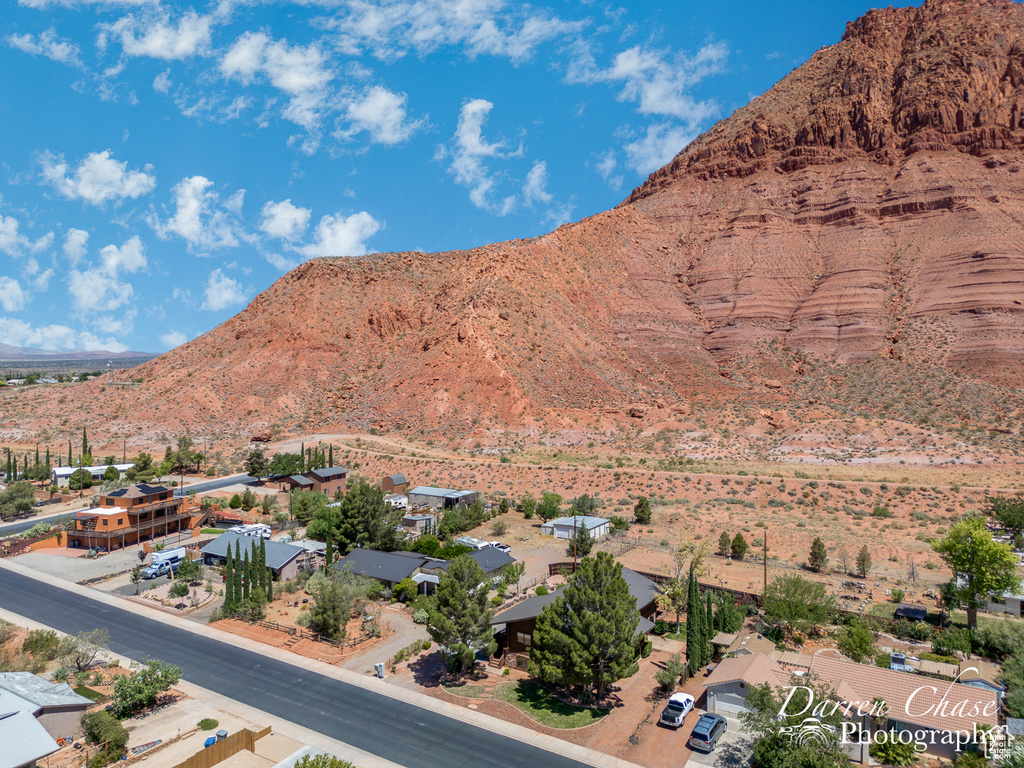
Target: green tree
pixel 229 582
pixel 79 652
pixel 774 714
pixel 724 544
pixel 305 507
pixel 889 750
pixel 238 576
pixel 248 499
pixel 460 618
pixel 362 519
pixel 256 463
pixel 797 602
pixel 406 590
pixel 111 474
pixel 136 577
pixel 80 479
pixel 588 636
pixel 139 690
pixel 856 640
pixel 738 547
pixel 668 678
pixel 583 506
pixel 1009 513
pixel 980 565
pixel 86 450
pixel 503 506
pixel 331 610
pixel 284 464
pixel 818 558
pixel 549 507
pixel 694 625
pixel 580 543
pixel 863 561
pixel 526 506
pixel 642 511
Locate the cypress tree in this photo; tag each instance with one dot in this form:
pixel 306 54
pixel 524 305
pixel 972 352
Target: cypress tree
pixel 24 472
pixel 247 583
pixel 236 575
pixel 71 461
pixel 229 583
pixel 263 564
pixel 302 453
pixel 49 466
pixel 329 552
pixel 330 454
pixel 693 610
pixel 709 628
pixel 270 586
pixel 85 443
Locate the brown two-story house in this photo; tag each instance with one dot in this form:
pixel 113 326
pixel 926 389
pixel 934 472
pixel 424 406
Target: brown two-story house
pixel 130 515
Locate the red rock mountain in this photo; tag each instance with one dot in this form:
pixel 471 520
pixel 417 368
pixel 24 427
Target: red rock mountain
pixel 870 205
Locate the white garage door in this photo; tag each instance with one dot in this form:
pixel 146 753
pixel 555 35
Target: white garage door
pixel 729 704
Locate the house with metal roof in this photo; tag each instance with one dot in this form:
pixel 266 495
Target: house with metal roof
pixel 55 705
pixel 282 559
pixel 394 484
pixel 61 476
pixel 514 627
pixel 440 498
pixel 24 740
pixel 563 527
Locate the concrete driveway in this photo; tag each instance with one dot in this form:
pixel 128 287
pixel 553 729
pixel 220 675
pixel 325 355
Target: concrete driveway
pixel 733 750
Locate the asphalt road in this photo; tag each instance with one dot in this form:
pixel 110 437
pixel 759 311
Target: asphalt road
pixel 393 729
pixel 213 485
pixel 9 529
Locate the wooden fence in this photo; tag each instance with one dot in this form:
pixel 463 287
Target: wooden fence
pixel 304 634
pixel 225 748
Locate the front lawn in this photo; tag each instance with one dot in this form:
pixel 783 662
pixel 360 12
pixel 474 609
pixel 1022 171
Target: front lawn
pixel 89 693
pixel 546 708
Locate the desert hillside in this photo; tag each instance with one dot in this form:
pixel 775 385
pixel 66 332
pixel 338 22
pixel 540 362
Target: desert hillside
pixel 846 246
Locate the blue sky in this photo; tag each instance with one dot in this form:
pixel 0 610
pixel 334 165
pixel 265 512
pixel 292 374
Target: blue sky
pixel 162 163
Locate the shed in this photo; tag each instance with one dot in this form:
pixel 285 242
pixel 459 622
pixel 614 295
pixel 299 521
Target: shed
pixel 282 559
pixel 439 498
pixel 394 484
pixel 563 527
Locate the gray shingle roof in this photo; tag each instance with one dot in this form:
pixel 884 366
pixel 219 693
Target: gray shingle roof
pixel 279 554
pixel 386 566
pixel 40 692
pixel 398 479
pixel 300 480
pixel 640 587
pixel 491 559
pixel 328 474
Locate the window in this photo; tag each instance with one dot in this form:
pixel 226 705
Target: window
pixel 108 502
pixel 524 639
pixel 997 600
pixel 106 521
pixel 120 521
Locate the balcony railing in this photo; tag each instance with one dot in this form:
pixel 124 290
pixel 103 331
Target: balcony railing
pixel 153 524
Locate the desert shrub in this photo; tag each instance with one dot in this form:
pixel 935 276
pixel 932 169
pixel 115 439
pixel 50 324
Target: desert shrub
pixel 420 616
pixel 179 589
pixel 952 640
pixel 207 724
pixel 541 590
pixel 997 639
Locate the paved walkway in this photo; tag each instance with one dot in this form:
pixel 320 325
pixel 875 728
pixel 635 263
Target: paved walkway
pixel 363 759
pixel 405 632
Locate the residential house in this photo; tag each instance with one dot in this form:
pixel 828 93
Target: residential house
pixel 55 705
pixel 514 627
pixel 741 644
pixel 419 524
pixel 394 484
pixel 282 559
pixel 440 498
pixel 390 568
pixel 934 714
pixel 1008 602
pixel 130 515
pixel 563 527
pixel 61 476
pixel 327 481
pixel 492 561
pixel 980 674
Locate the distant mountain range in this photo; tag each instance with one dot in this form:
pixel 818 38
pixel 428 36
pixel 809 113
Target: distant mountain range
pixel 11 353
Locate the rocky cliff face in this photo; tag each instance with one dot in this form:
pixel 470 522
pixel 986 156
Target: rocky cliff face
pixel 871 205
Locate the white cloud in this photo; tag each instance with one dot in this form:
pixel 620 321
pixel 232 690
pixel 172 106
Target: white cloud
pixel 342 235
pixel 659 144
pixel 469 148
pixel 47 44
pixel 173 339
pixel 222 292
pixel 535 193
pixel 41 281
pixel 392 28
pixel 130 257
pixel 161 39
pixel 200 218
pixel 302 72
pixel 606 166
pixel 14 243
pixel 74 244
pixel 61 337
pixel 284 220
pixel 381 113
pixel 162 82
pixel 12 298
pixel 97 179
pixel 94 290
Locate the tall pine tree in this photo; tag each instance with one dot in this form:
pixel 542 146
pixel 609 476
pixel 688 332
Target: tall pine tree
pixel 709 628
pixel 693 610
pixel 237 575
pixel 270 586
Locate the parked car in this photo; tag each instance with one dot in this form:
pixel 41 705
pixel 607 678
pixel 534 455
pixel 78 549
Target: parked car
pixel 707 732
pixel 500 547
pixel 679 706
